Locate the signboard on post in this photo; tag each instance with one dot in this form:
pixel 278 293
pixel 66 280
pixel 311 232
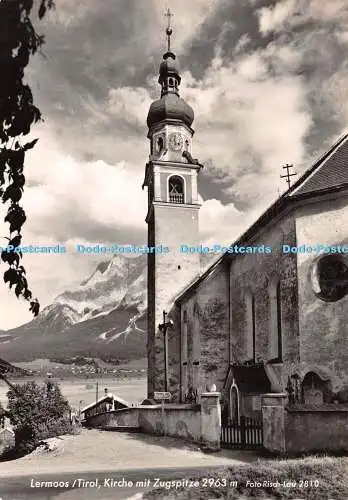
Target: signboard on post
pixel 162 396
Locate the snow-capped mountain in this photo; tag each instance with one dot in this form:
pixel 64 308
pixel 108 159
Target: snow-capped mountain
pixel 120 279
pixel 104 316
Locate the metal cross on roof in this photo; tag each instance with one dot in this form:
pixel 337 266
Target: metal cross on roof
pixel 288 175
pixel 169 30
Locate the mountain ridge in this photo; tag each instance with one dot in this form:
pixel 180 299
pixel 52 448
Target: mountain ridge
pixel 104 316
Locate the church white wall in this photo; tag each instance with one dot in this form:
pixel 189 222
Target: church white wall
pixel 323 325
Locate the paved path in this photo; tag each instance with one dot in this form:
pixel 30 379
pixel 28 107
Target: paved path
pixel 95 450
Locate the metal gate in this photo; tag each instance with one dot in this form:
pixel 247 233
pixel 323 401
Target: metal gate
pixel 247 434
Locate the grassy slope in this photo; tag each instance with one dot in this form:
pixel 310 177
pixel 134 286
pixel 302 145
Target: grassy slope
pixel 330 472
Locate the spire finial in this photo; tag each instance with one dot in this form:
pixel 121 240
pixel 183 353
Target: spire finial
pixel 169 30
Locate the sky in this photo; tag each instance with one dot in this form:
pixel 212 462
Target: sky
pixel 268 82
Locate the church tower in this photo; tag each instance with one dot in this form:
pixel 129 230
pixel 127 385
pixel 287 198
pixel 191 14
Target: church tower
pixel 172 217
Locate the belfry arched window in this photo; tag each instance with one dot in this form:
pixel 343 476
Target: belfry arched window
pixel 176 189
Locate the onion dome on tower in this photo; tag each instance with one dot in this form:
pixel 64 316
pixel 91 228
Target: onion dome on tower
pixel 170 105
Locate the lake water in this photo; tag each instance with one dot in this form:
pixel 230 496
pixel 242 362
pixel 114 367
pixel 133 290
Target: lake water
pixel 82 392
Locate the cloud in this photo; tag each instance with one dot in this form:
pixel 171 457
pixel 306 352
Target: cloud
pixel 81 199
pixel 129 104
pixel 313 34
pixel 289 14
pixel 242 43
pixel 273 18
pixel 213 215
pixel 250 121
pixel 223 223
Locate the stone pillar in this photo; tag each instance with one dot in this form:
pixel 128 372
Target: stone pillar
pixel 210 420
pixel 273 421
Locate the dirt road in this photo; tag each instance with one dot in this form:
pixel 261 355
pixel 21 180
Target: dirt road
pixel 95 450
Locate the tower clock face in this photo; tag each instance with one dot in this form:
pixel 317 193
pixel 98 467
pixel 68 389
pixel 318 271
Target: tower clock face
pixel 176 141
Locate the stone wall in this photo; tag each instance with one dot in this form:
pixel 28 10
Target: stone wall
pixel 323 325
pixel 176 421
pixel 198 423
pixel 316 430
pixel 300 428
pixel 115 418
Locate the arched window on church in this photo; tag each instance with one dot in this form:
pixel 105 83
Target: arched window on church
pixel 176 189
pixel 275 321
pixel 253 313
pixel 184 338
pixel 250 326
pixel 184 356
pixel 196 349
pixel 279 324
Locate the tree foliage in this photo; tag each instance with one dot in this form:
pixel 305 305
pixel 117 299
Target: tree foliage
pixel 37 412
pixel 18 42
pixel 2 413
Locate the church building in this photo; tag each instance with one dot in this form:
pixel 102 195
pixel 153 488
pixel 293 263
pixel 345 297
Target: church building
pixel 257 322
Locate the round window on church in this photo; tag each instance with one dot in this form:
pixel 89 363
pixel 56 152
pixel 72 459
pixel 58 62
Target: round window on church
pixel 329 277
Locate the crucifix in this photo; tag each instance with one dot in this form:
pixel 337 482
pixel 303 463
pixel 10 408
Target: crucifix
pixel 169 30
pixel 163 327
pixel 288 175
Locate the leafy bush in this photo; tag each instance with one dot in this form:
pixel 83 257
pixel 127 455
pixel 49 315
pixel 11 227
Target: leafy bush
pixel 37 413
pixel 57 427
